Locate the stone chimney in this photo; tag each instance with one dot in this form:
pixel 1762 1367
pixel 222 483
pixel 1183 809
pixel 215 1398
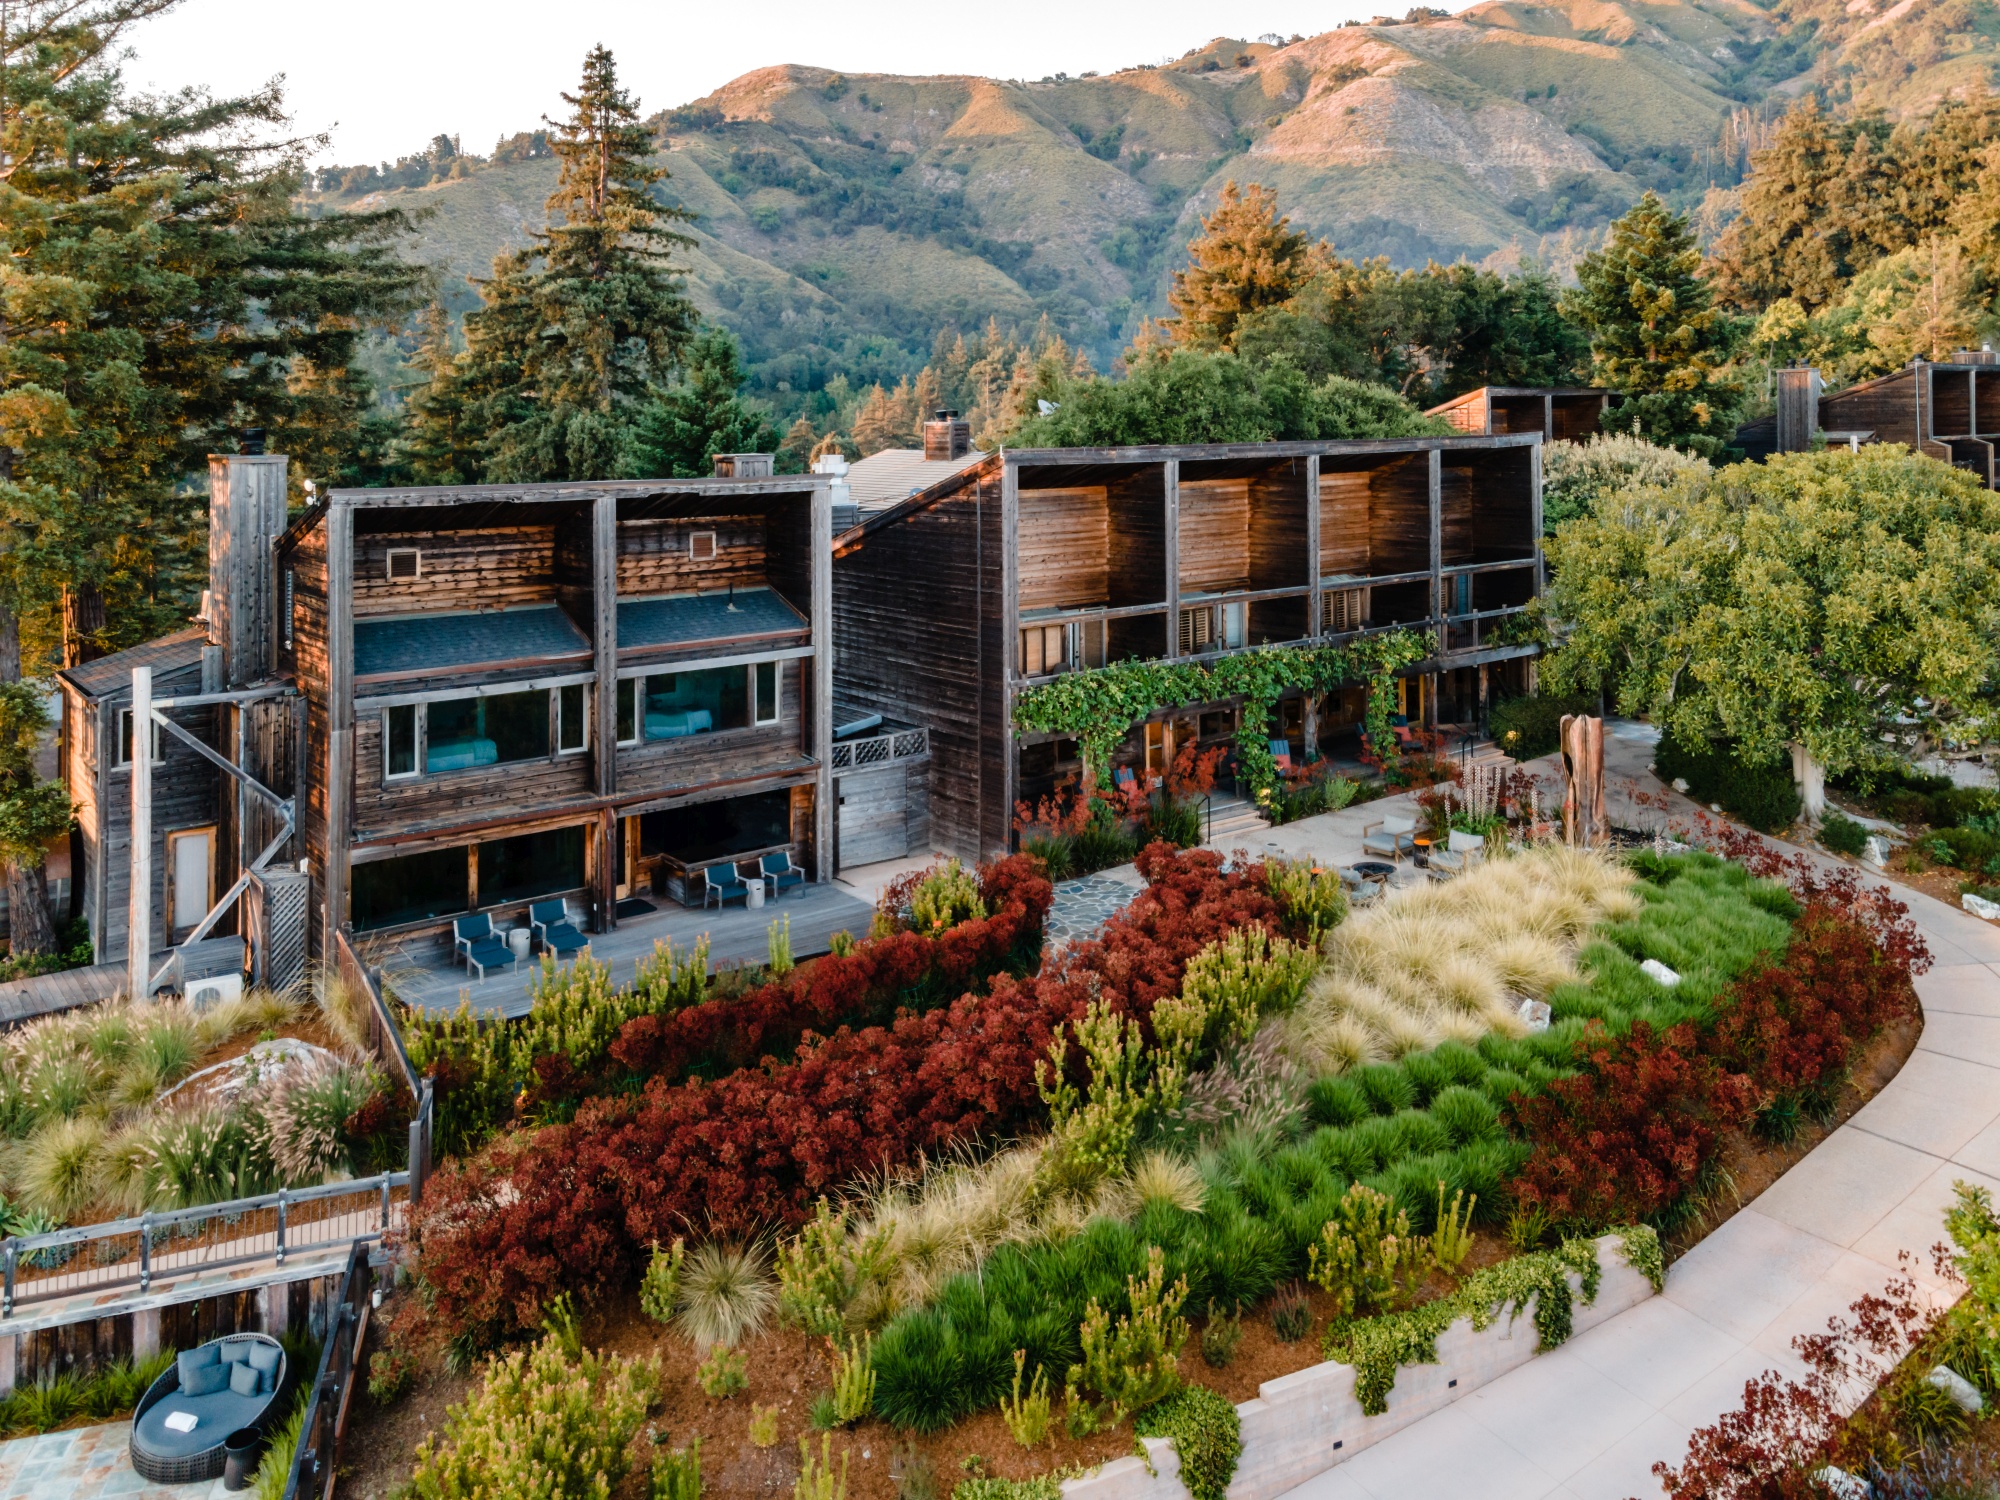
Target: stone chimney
pixel 745 465
pixel 946 437
pixel 246 515
pixel 1798 408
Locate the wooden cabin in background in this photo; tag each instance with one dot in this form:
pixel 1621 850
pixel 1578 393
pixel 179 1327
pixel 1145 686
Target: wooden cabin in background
pixel 1033 563
pixel 1949 409
pixel 1568 413
pixel 460 700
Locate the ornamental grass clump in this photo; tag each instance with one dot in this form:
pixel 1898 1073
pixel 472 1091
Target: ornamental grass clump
pixel 1454 962
pixel 542 1422
pixel 726 1294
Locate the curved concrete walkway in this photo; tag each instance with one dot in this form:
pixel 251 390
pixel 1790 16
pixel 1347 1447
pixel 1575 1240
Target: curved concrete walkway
pixel 1588 1420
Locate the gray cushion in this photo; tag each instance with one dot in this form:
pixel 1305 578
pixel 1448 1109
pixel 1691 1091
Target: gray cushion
pixel 244 1380
pixel 205 1380
pixel 235 1354
pixel 265 1357
pixel 190 1360
pixel 219 1415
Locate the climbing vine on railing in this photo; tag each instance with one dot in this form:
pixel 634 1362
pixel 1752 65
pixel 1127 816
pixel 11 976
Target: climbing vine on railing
pixel 1100 704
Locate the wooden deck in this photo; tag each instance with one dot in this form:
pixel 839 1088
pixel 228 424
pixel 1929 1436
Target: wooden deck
pixel 25 999
pixel 422 973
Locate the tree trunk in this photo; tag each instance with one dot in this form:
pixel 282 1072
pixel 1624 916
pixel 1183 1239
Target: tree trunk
pixel 30 930
pixel 83 624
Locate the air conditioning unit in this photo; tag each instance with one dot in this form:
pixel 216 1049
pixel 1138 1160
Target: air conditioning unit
pixel 202 993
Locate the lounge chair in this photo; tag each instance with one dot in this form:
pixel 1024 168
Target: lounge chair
pixel 558 935
pixel 1461 853
pixel 1391 838
pixel 474 940
pixel 779 873
pixel 166 1455
pixel 723 887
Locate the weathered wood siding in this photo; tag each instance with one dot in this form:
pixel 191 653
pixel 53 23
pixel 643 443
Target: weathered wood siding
pixel 726 755
pixel 913 622
pixel 479 567
pixel 1277 528
pixel 874 814
pixel 1065 541
pixel 1136 511
pixel 1344 503
pixel 1215 535
pixel 477 794
pixel 1498 490
pixel 1399 516
pixel 654 556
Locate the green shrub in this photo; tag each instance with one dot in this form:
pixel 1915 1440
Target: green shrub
pixel 946 897
pixel 1133 1363
pixel 1968 849
pixel 1220 1335
pixel 1027 1413
pixel 1529 727
pixel 676 1475
pixel 1367 1259
pixel 1207 1437
pixel 1291 1314
pixel 1336 1101
pixel 540 1423
pixel 1842 834
pixel 722 1374
pixel 1764 796
pixel 660 1289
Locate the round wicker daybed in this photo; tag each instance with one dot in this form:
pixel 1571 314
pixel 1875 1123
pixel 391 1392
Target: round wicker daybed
pixel 166 1456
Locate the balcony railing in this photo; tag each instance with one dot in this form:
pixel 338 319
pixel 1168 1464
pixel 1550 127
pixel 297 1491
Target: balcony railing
pixel 881 749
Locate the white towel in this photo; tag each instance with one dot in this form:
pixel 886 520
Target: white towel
pixel 182 1421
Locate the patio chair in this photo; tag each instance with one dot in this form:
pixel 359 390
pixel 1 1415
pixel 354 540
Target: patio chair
pixel 1391 838
pixel 1460 854
pixel 1123 778
pixel 723 885
pixel 779 873
pixel 1281 752
pixel 558 935
pixel 474 940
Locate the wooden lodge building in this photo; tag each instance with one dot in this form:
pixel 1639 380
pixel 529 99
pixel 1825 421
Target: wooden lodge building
pixel 1032 563
pixel 415 704
pixel 1949 409
pixel 1558 413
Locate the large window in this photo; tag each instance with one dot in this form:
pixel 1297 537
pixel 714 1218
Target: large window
pixel 715 830
pixel 462 732
pixel 390 892
pixel 532 865
pixel 125 740
pixel 685 703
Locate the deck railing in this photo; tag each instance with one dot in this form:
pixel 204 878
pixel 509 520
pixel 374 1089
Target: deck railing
pixel 93 1258
pixel 881 749
pixel 314 1459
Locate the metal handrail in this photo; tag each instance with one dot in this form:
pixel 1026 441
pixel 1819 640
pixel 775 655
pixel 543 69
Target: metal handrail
pixel 149 1228
pixel 325 1420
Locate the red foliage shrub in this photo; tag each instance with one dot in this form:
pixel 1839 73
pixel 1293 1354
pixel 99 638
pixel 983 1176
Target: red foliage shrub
pixel 1786 1430
pixel 1629 1133
pixel 571 1205
pixel 862 985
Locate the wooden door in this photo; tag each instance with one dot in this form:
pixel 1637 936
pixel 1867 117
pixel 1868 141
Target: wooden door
pixel 191 878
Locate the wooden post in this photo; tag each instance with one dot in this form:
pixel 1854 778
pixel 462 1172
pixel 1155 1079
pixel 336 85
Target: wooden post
pixel 333 871
pixel 1315 610
pixel 820 675
pixel 139 921
pixel 604 698
pixel 1584 821
pixel 1170 483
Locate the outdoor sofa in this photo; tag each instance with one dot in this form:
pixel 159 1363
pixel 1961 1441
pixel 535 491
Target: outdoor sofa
pixel 239 1380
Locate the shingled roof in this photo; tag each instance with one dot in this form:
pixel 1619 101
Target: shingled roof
pixel 407 645
pixel 690 619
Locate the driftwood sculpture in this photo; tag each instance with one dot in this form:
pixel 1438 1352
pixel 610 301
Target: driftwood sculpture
pixel 1584 823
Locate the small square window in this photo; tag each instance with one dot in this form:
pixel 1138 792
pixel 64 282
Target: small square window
pixel 765 683
pixel 289 610
pixel 628 711
pixel 701 546
pixel 571 717
pixel 399 737
pixel 405 563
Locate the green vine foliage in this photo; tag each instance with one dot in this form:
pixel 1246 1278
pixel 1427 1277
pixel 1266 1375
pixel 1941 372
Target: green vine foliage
pixel 1378 1347
pixel 1207 1436
pixel 1641 1243
pixel 1098 705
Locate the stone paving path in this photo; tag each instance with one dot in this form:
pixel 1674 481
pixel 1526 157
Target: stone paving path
pixel 1085 904
pixel 1587 1421
pixel 87 1463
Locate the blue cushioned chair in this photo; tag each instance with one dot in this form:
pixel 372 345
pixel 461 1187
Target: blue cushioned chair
pixel 474 940
pixel 165 1456
pixel 1281 752
pixel 558 935
pixel 724 885
pixel 779 873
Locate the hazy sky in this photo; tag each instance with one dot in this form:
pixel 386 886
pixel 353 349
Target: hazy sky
pixel 384 76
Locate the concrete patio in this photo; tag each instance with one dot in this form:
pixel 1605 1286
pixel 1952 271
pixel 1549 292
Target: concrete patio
pixel 422 973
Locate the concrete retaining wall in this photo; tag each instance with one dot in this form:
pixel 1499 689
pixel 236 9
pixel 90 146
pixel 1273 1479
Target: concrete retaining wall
pixel 1303 1424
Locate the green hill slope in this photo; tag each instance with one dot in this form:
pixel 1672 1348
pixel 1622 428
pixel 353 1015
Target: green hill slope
pixel 844 220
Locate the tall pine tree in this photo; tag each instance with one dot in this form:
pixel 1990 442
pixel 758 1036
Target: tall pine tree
pixel 1248 256
pixel 582 328
pixel 1656 333
pixel 679 435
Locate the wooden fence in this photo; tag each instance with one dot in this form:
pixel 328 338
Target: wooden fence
pixel 315 1460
